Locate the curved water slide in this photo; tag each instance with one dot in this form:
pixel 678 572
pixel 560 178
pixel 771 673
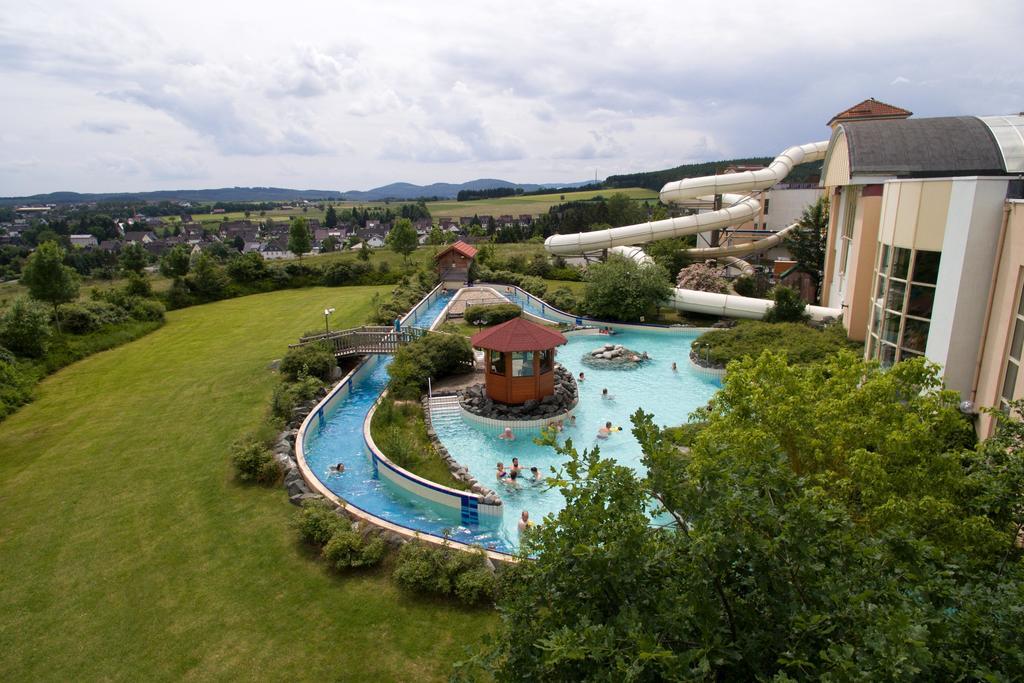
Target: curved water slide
pixel 738 206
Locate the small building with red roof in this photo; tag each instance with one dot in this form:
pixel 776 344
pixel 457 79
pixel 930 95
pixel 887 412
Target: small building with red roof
pixel 519 360
pixel 869 110
pixel 453 263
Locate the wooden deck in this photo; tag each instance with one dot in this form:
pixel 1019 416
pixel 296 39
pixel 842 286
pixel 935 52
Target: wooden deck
pixel 369 339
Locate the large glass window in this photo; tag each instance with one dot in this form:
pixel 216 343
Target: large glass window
pixel 1013 358
pixel 497 363
pixel 522 363
pixel 850 195
pixel 904 294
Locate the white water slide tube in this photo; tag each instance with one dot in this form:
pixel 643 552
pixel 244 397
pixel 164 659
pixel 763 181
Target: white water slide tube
pixel 737 209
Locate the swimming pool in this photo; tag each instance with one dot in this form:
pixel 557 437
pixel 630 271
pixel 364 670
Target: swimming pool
pixel 653 386
pixel 338 437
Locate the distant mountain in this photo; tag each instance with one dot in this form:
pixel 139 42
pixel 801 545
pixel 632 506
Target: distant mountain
pixel 407 191
pixel 224 194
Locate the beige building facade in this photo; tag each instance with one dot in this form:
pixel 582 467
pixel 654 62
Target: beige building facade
pixel 922 256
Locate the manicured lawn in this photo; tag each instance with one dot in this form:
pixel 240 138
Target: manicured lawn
pixel 532 204
pixel 128 552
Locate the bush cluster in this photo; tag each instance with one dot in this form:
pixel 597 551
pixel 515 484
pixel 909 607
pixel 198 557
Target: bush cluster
pixel 318 524
pixel 434 356
pixel 564 300
pixel 25 328
pixel 407 294
pixel 16 383
pixel 492 314
pixel 254 462
pixel 756 285
pixel 788 308
pixel 287 395
pixel 429 570
pixel 801 343
pixel 314 360
pixel 532 284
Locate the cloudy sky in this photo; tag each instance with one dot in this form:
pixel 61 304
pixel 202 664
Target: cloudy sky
pixel 126 96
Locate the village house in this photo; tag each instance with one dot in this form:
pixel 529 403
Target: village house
pixel 83 241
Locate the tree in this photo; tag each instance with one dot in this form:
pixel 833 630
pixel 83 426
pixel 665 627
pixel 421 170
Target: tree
pixel 25 328
pixel 788 308
pixel 622 289
pixel 208 278
pixel 329 244
pixel 807 242
pixel 364 251
pixel 175 262
pixel 866 538
pixel 402 238
pixel 299 240
pixel 48 279
pixel 238 243
pixel 331 217
pixel 133 258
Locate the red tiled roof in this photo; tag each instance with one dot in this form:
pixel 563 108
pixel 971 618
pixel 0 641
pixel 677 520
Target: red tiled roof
pixel 518 334
pixel 871 109
pixel 461 247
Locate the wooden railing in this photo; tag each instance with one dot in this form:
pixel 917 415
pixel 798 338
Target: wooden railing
pixel 368 339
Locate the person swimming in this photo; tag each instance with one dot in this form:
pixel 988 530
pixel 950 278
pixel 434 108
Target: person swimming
pixel 536 474
pixel 501 473
pixel 581 377
pixel 606 431
pixel 605 395
pixel 339 468
pixel 524 521
pixel 674 368
pixel 507 435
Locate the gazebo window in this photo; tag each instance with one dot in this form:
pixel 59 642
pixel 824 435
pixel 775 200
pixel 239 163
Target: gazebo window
pixel 522 363
pixel 547 358
pixel 497 363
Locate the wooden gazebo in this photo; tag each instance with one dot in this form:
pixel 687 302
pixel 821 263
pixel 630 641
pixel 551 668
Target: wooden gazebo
pixel 519 360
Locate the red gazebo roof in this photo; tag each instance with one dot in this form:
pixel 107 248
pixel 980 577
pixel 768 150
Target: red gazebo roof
pixel 461 247
pixel 518 334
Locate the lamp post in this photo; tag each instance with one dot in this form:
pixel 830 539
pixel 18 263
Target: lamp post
pixel 327 321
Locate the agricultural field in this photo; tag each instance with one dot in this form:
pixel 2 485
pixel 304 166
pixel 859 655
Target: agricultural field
pixel 532 204
pixel 128 551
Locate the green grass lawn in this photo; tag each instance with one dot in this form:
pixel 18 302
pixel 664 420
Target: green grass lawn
pixel 531 204
pixel 128 551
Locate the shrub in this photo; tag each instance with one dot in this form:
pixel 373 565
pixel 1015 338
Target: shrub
pixel 475 586
pixel 568 273
pixel 788 308
pixel 346 549
pixel 756 285
pixel 77 319
pixel 703 277
pixel 684 434
pixel 178 295
pixel 137 285
pixel 147 309
pixel 15 385
pixel 254 462
pixel 246 268
pixel 492 314
pixel 340 273
pixel 801 343
pixel 622 289
pixel 317 522
pixel 427 569
pixel 287 395
pixel 533 285
pixel 420 569
pixel 207 280
pixel 25 328
pixel 563 299
pixel 315 360
pixel 434 356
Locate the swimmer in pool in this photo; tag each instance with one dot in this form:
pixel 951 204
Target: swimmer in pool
pixel 507 435
pixel 606 431
pixel 501 474
pixel 581 377
pixel 606 396
pixel 536 474
pixel 674 368
pixel 524 521
pixel 339 468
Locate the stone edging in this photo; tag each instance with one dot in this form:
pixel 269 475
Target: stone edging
pixel 458 471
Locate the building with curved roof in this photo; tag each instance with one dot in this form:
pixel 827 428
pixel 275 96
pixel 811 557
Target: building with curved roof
pixel 923 251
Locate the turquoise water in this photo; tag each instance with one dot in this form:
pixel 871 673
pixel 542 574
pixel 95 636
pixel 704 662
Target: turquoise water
pixel 671 396
pixel 653 386
pixel 339 438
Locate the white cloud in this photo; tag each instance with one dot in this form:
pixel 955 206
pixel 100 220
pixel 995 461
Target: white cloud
pixel 351 95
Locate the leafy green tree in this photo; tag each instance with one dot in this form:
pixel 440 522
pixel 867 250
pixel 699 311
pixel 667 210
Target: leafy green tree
pixel 624 211
pixel 864 539
pixel 48 279
pixel 331 217
pixel 25 328
pixel 133 258
pixel 175 262
pixel 788 308
pixel 329 244
pixel 621 289
pixel 208 278
pixel 299 240
pixel 402 238
pixel 364 251
pixel 807 242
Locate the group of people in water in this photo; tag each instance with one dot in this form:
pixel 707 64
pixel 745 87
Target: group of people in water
pixel 514 474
